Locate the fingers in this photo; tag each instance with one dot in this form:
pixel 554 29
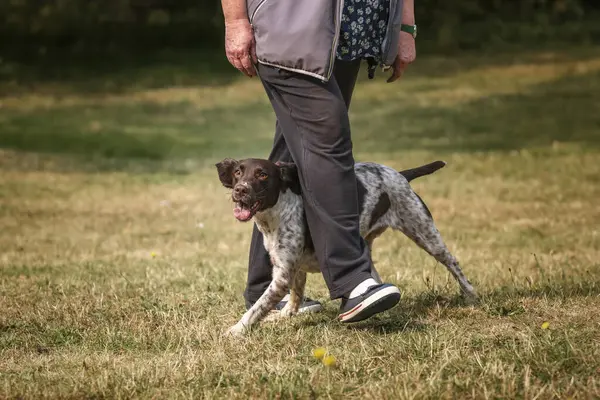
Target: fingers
pixel 403 66
pixel 244 60
pixel 398 69
pixel 248 67
pixel 394 77
pixel 237 63
pixel 243 64
pixel 396 72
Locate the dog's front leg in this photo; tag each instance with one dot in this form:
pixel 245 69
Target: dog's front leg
pixel 273 295
pixel 296 295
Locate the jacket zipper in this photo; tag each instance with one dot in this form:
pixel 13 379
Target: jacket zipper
pixel 388 29
pixel 338 22
pixel 256 10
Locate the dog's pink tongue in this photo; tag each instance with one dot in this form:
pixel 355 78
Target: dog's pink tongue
pixel 242 214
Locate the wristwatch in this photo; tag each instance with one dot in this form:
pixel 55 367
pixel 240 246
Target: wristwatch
pixel 412 29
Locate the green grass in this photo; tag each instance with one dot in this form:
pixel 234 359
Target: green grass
pixel 93 183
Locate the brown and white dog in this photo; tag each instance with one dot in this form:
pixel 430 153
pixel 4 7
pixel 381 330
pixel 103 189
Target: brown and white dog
pixel 270 194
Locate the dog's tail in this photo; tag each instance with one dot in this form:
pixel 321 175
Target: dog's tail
pixel 426 169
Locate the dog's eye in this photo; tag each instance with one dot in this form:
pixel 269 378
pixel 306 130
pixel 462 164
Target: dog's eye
pixel 262 175
pixel 237 173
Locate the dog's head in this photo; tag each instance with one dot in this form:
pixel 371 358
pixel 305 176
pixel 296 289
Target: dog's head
pixel 256 184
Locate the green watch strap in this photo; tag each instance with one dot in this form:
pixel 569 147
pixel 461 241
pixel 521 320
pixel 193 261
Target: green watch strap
pixel 412 29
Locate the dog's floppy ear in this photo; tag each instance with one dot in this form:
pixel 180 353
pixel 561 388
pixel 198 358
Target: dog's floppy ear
pixel 225 169
pixel 289 177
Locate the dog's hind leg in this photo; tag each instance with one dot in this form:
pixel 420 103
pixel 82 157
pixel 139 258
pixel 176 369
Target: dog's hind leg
pixel 433 244
pixel 370 238
pixel 450 262
pixel 375 275
pixel 417 224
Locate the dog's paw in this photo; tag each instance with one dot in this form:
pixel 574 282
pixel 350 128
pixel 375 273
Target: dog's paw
pixel 236 331
pixel 471 299
pixel 289 310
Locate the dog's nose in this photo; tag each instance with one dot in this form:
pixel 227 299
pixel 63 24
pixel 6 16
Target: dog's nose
pixel 240 190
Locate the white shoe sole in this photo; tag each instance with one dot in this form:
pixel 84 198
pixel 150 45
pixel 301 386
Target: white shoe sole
pixel 310 309
pixel 375 297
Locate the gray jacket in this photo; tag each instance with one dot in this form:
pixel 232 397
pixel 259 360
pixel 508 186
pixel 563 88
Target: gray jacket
pixel 302 35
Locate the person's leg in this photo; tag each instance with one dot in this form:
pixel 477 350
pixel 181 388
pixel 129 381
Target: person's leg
pixel 259 264
pixel 345 74
pixel 314 121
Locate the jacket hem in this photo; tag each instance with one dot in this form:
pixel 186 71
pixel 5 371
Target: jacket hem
pixel 297 70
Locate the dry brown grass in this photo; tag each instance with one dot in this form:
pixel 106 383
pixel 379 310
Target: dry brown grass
pixel 119 284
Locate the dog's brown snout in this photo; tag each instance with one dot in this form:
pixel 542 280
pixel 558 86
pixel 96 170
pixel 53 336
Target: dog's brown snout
pixel 240 191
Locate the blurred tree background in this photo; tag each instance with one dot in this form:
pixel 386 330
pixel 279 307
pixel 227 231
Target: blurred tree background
pixel 34 27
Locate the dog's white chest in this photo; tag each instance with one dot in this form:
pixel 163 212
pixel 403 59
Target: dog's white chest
pixel 270 242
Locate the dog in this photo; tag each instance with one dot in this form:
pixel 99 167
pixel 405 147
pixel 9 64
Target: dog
pixel 270 194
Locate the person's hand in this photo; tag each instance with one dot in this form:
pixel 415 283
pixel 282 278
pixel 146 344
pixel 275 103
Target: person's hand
pixel 240 46
pixel 407 53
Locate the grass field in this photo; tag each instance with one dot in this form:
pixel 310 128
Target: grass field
pixel 121 264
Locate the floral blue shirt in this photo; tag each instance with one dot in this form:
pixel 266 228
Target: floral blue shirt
pixel 363 28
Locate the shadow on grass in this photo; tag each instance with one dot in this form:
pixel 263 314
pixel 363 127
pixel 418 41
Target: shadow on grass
pixel 393 323
pixel 408 316
pixel 565 110
pixel 138 137
pixel 552 289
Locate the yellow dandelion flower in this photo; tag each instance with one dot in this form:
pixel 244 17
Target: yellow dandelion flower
pixel 319 353
pixel 329 361
pixel 546 325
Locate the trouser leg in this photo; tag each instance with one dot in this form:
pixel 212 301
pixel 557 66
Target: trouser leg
pixel 313 116
pixel 259 266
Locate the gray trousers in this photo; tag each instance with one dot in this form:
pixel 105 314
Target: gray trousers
pixel 313 131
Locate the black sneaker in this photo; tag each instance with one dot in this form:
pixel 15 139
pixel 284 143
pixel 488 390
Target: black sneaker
pixel 376 299
pixel 308 305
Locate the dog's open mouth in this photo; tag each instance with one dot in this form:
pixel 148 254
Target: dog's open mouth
pixel 243 212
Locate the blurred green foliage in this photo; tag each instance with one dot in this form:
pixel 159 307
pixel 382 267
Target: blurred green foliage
pixel 90 25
